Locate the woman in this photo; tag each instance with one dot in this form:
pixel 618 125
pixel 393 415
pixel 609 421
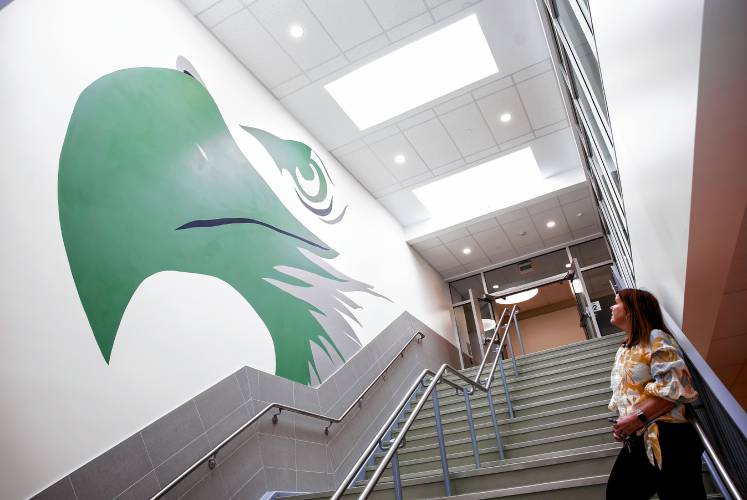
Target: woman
pixel 650 386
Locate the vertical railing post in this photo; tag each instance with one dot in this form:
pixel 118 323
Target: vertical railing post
pixel 509 406
pixel 396 478
pixel 495 426
pixel 471 424
pixel 518 335
pixel 441 441
pixel 511 348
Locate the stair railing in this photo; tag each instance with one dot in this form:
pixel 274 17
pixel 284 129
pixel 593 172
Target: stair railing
pixel 499 354
pixel 210 456
pixel 392 447
pixel 718 419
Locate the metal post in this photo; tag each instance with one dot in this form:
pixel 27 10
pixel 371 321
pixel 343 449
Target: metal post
pixel 471 424
pixel 396 477
pixel 495 426
pixel 716 477
pixel 511 348
pixel 505 388
pixel 441 443
pixel 518 335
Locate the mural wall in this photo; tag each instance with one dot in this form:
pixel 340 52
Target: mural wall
pixel 166 222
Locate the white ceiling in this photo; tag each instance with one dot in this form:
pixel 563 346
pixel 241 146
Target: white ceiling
pixel 493 240
pixel 451 133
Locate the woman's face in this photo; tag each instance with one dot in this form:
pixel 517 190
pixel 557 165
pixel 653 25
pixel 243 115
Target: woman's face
pixel 619 314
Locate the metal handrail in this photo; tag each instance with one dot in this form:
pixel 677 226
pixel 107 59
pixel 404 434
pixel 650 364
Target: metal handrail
pixel 393 446
pixel 210 455
pixel 723 395
pixel 511 316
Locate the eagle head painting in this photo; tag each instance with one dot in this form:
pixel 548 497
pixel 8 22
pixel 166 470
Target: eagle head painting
pixel 150 179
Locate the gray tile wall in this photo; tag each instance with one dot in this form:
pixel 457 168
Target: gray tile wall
pixel 292 455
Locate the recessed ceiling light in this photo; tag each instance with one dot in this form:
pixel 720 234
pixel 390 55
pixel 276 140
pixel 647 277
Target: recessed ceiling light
pixel 550 223
pixel 579 214
pixel 505 117
pixel 399 159
pixel 296 31
pixel 495 287
pixel 523 233
pixel 435 65
pixel 568 265
pixel 466 250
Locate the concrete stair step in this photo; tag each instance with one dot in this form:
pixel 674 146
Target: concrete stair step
pixel 482 419
pixel 490 453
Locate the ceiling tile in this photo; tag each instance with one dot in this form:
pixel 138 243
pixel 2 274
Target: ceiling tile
pixel 416 119
pixel 455 165
pixel 552 128
pixel 449 8
pixel 519 141
pixel 554 214
pixel 409 27
pixel 219 12
pixel 457 247
pixel 477 264
pixel 533 70
pixel 349 22
pixel 418 179
pixel 426 244
pixel 493 241
pixel 482 225
pixel 586 231
pixel 288 87
pixel 395 145
pixel 242 34
pixel 481 155
pixel 441 257
pixel 391 13
pixel 513 216
pixel 328 67
pixel 505 101
pixel 348 148
pixel 515 229
pixel 584 207
pixel 530 248
pixel 313 48
pixel 468 129
pixel 368 47
pixel 455 271
pixel 452 104
pixel 542 206
pixel 453 235
pixel 366 167
pixel 559 239
pixel 575 194
pixel 492 87
pixel 542 100
pixel 502 256
pixel 197 6
pixel 433 143
pixel 381 133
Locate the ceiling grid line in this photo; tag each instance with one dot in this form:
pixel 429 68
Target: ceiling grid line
pixel 521 100
pixel 334 41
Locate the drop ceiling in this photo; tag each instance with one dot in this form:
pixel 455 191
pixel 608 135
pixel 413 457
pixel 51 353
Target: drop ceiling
pixel 454 132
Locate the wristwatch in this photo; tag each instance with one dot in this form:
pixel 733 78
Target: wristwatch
pixel 642 417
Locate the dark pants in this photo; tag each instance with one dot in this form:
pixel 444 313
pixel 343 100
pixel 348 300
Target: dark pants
pixel 634 478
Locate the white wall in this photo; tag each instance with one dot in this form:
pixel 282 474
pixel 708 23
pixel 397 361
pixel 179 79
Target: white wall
pixel 649 54
pixel 63 405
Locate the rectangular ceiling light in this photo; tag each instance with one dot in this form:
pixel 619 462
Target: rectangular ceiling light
pixel 496 184
pixel 415 74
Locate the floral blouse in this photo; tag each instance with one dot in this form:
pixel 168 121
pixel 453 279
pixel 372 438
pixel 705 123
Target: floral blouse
pixel 656 369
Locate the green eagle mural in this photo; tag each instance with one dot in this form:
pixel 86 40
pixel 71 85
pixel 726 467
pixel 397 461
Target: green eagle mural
pixel 150 180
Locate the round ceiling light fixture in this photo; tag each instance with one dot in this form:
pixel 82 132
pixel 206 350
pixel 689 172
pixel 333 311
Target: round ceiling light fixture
pixel 495 287
pixel 296 31
pixel 400 159
pixel 466 250
pixel 580 214
pixel 568 266
pixel 550 223
pixel 505 117
pixel 518 297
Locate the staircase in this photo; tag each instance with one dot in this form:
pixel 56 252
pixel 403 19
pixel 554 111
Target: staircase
pixel 558 446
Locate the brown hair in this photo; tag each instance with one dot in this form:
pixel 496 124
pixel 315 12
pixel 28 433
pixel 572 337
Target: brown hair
pixel 645 315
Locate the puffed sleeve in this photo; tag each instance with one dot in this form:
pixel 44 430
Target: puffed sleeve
pixel 672 380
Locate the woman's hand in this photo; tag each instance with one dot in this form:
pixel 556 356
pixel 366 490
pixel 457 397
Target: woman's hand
pixel 626 426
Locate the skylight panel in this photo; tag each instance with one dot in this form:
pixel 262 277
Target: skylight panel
pixel 415 74
pixel 493 185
